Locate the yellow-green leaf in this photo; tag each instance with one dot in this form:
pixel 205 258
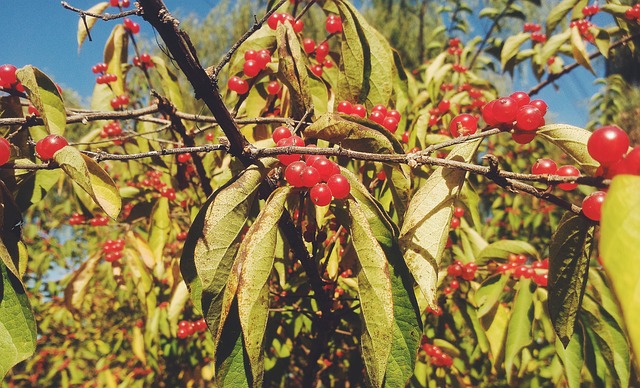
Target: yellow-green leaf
pixel 90 21
pixel 257 255
pixel 619 241
pixel 91 178
pixel 44 95
pixel 511 47
pixel 572 141
pixel 579 50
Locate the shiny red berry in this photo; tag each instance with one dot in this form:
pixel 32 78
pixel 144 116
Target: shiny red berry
pixel 47 147
pixel 463 125
pixel 320 194
pixel 608 144
pixel 592 205
pixel 568 171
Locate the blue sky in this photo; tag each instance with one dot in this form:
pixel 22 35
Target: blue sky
pixel 47 40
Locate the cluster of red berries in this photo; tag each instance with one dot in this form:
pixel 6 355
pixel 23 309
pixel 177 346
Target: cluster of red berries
pixel 436 356
pixel 111 129
pixel 316 172
pixel 120 4
pixel 516 111
pixel 454 47
pixel 590 10
pixel 278 18
pixel 321 51
pixel 106 78
pixel 380 114
pixel 112 250
pixel 583 26
pixel 168 192
pixel 189 328
pixel 99 221
pixel 255 61
pixel 120 101
pixel 633 13
pixel 131 26
pixel 532 27
pixel 183 158
pixel 549 167
pixel 459 270
pixel 143 61
pixel 238 85
pixel 8 78
pixel 333 24
pixel 538 37
pixel 517 268
pixel 182 235
pixel 458 213
pixel 49 145
pixel 76 219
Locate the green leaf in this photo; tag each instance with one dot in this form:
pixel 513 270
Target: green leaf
pixel 210 250
pixel 44 95
pixel 17 323
pixel 500 251
pixel 159 228
pixel 354 133
pixel 568 266
pixel 83 30
pixel 619 243
pixel 551 47
pixel 519 330
pixel 511 47
pixel 115 54
pixel 610 339
pixel 375 295
pixel 489 293
pixel 231 366
pixel 558 13
pixel 34 186
pixel 572 358
pixel 91 178
pixel 426 225
pixel 293 68
pixel 572 141
pixel 579 50
pixel 399 180
pixel 169 81
pixel 256 256
pixel 366 59
pixel 602 40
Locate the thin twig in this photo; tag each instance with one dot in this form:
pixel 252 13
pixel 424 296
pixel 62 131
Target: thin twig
pixel 104 16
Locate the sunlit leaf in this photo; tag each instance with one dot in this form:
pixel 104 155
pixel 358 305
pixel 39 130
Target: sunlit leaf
pixel 257 255
pixel 44 95
pixel 159 228
pixel 572 358
pixel 426 225
pixel 579 50
pixel 572 141
pixel 500 251
pixel 169 81
pixel 619 243
pixel 91 178
pixel 519 330
pixel 84 30
pixel 512 46
pixel 568 265
pixel 558 13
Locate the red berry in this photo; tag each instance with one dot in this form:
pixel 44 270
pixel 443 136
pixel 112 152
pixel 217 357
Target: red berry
pixel 114 3
pixel 405 137
pixel 287 159
pixel 251 68
pixel 468 273
pixel 274 19
pixel 592 205
pixel 200 325
pixel 455 223
pixel 541 279
pixel 181 236
pixel 458 212
pixel 183 158
pixel 541 105
pixel 238 85
pixel 359 110
pixel 390 123
pixel 263 58
pixel 48 146
pixel 463 125
pixel 544 166
pixel 568 171
pixel 395 114
pixel 608 144
pixel 321 51
pixel 454 270
pixel 5 151
pixel 320 194
pixel 523 137
pixel 487 114
pixel 273 87
pixel 443 106
pixel 182 333
pixel 8 75
pixel 345 107
pixel 339 185
pixel 333 24
pixel 298 26
pixel 308 45
pixel 145 58
pixel 505 109
pixel 529 118
pixel 326 168
pixel 380 108
pixel 317 70
pixel 310 176
pixel 280 133
pixel 377 117
pixel 521 98
pixel 293 173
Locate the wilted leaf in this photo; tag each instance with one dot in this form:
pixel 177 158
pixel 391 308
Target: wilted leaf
pixel 91 178
pixel 90 21
pixel 500 251
pixel 375 295
pixel 426 225
pixel 366 60
pixel 354 134
pixel 76 289
pixel 572 141
pixel 257 255
pixel 17 323
pixel 294 70
pixel 619 241
pixel 44 95
pixel 568 266
pixel 519 330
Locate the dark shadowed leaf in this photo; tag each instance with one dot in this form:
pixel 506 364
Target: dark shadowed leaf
pixel 426 225
pixel 568 266
pixel 619 242
pixel 294 70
